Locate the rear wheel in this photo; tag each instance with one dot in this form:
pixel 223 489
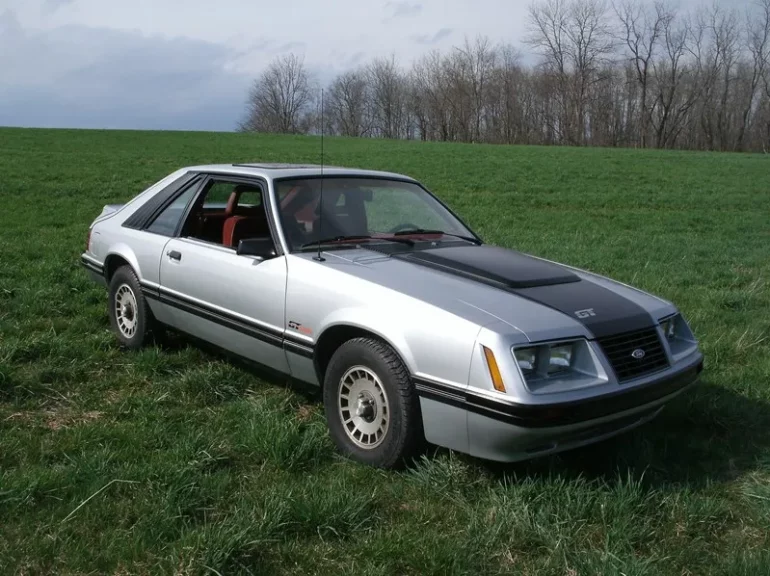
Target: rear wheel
pixel 129 313
pixel 371 405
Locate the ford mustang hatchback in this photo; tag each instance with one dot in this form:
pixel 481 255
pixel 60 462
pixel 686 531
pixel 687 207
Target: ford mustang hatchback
pixel 365 284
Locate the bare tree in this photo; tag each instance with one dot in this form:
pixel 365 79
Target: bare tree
pixel 430 96
pixel 590 47
pixel 573 37
pixel 717 57
pixel 476 62
pixel 281 99
pixel 388 96
pixel 655 78
pixel 506 97
pixel 640 29
pixel 677 84
pixel 758 44
pixel 548 22
pixel 349 104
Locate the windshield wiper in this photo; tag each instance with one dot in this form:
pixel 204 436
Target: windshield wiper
pixel 428 231
pixel 353 238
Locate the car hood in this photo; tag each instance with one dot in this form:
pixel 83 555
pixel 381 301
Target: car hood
pixel 484 284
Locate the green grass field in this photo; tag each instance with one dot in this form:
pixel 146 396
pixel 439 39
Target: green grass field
pixel 177 460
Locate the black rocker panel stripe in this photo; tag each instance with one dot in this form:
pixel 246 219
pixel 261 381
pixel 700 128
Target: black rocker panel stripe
pixel 600 310
pixel 274 337
pixel 562 414
pixel 99 269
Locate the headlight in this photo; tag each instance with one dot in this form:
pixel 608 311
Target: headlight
pixel 669 328
pixel 559 366
pixel 527 359
pixel 546 359
pixel 560 358
pixel 681 340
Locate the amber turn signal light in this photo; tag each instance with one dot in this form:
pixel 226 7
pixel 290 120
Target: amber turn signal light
pixel 494 370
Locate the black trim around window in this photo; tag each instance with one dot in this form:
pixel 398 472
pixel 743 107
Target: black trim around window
pixel 258 181
pixel 396 178
pixel 143 218
pixel 150 209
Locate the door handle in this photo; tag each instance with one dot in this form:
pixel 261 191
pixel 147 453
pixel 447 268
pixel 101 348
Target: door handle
pixel 174 255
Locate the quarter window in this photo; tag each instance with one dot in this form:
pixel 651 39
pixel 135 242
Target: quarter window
pixel 167 221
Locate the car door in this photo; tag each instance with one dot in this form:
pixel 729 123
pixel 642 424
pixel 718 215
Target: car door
pixel 156 224
pixel 233 301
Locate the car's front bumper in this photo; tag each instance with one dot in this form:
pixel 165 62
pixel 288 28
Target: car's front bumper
pixel 524 432
pixel 509 432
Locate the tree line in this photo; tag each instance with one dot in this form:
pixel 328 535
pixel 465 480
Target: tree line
pixel 623 73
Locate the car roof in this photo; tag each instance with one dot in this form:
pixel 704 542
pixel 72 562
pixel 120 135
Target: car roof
pixel 278 170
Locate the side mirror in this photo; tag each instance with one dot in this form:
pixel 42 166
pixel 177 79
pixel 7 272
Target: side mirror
pixel 262 248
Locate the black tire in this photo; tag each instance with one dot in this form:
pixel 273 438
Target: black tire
pixel 141 323
pixel 403 439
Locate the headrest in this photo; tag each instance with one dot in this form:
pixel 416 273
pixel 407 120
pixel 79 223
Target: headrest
pixel 241 188
pixel 232 202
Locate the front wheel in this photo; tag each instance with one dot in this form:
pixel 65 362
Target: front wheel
pixel 371 406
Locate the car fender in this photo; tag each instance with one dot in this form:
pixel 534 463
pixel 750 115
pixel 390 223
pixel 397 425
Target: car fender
pixel 439 346
pixel 384 326
pixel 123 251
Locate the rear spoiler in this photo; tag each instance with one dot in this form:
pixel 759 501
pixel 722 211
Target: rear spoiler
pixel 109 209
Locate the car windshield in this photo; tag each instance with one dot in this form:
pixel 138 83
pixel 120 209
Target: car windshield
pixel 362 209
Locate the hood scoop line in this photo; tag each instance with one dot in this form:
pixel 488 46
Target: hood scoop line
pixel 491 265
pixel 601 311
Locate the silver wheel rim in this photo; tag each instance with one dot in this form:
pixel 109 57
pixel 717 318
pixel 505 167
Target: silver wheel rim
pixel 363 407
pixel 126 310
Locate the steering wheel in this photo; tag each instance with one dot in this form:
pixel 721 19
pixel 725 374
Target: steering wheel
pixel 403 226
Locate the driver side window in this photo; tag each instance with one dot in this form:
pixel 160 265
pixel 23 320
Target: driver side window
pixel 227 212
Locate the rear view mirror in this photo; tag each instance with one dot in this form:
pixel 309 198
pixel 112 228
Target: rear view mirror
pixel 262 248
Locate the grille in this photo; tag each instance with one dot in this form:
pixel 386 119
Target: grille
pixel 619 351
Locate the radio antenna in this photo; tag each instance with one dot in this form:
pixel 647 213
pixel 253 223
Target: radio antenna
pixel 318 256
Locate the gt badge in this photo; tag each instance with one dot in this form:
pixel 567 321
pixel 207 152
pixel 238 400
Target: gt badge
pixel 299 327
pixel 585 313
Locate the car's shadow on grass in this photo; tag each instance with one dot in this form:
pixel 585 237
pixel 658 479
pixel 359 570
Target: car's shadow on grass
pixel 709 434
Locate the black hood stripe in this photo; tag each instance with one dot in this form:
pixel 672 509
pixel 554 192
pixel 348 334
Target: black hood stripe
pixel 602 311
pixel 599 309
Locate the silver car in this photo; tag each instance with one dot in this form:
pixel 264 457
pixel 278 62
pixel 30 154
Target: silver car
pixel 365 284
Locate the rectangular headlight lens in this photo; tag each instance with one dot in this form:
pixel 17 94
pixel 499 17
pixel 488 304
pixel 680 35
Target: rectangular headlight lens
pixel 669 328
pixel 546 359
pixel 559 366
pixel 560 358
pixel 527 358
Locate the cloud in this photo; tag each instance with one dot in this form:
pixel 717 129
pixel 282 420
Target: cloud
pixel 53 5
pixel 100 78
pixel 291 46
pixel 403 9
pixel 356 58
pixel 428 39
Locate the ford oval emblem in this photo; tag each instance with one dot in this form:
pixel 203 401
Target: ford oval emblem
pixel 638 353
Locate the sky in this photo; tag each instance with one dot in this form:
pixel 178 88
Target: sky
pixel 188 64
